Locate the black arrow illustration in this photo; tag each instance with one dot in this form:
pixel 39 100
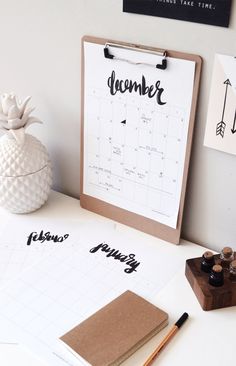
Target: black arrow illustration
pixel 233 130
pixel 220 127
pixel 124 122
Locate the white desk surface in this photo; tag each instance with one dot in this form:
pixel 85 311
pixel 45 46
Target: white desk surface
pixel 206 338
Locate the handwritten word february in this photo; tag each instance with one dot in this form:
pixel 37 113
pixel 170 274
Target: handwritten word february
pixel 46 237
pixel 130 86
pixel 128 259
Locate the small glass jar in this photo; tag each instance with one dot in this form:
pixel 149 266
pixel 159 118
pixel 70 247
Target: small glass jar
pixel 207 261
pixel 216 277
pixel 232 271
pixel 226 256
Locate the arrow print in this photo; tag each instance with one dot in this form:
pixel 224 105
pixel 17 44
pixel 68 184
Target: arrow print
pixel 220 127
pixel 233 130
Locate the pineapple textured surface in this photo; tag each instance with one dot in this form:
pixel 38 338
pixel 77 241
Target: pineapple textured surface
pixel 25 168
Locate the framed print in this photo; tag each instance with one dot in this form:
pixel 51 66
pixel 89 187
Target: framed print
pixel 214 12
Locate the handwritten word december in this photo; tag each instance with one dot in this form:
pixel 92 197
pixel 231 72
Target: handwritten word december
pixel 130 86
pixel 47 236
pixel 128 259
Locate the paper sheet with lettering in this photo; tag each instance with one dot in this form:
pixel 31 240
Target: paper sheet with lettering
pixel 63 289
pixel 136 120
pixel 25 242
pixel 221 118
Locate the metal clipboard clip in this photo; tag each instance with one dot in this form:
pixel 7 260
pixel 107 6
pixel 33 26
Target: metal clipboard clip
pixel 161 66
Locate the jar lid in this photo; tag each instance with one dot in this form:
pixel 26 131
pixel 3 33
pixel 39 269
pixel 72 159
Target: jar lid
pixel 20 160
pixel 227 251
pixel 208 254
pixel 233 264
pixel 217 268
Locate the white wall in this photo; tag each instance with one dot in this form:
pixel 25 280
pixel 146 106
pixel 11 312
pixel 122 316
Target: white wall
pixel 40 56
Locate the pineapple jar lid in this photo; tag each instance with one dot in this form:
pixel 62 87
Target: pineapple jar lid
pixel 19 160
pixel 20 154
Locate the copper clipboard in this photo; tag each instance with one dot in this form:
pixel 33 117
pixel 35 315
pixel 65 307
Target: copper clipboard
pixel 118 214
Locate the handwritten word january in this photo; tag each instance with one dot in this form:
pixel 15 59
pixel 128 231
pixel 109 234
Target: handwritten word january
pixel 128 259
pixel 130 86
pixel 47 236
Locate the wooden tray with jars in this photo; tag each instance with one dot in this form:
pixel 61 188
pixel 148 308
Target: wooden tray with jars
pixel 213 280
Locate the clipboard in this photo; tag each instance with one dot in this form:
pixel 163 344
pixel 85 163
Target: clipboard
pixel 164 59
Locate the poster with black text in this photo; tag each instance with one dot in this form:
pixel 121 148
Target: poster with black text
pixel 214 12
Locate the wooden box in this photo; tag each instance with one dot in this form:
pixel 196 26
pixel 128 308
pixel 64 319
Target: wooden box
pixel 210 297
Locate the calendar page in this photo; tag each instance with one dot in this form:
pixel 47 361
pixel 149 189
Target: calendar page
pixel 72 283
pixel 136 120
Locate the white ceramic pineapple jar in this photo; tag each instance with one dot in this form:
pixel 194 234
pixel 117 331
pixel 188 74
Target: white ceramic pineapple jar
pixel 25 169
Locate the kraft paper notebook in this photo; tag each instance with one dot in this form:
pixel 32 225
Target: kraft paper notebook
pixel 116 331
